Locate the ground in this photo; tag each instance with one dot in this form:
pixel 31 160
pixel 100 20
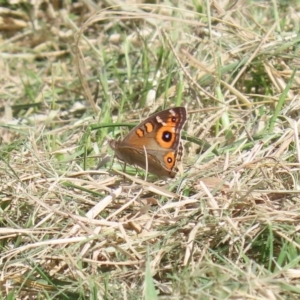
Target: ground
pixel 78 224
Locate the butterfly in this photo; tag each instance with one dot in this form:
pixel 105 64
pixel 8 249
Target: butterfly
pixel 155 144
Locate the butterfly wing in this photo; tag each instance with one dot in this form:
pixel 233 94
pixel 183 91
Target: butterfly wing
pixel 157 140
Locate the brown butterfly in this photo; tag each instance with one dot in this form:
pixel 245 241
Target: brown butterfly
pixel 155 144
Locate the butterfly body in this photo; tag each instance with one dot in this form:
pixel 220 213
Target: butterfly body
pixel 155 144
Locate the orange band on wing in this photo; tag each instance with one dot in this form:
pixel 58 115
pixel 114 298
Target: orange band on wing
pixel 140 132
pixel 149 127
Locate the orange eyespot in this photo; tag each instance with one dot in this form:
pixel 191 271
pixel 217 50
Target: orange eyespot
pixel 165 136
pixel 169 160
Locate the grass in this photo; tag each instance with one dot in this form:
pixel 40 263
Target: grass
pixel 74 225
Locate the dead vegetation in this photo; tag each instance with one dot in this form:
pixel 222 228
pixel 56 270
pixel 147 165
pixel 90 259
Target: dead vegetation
pixel 72 227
